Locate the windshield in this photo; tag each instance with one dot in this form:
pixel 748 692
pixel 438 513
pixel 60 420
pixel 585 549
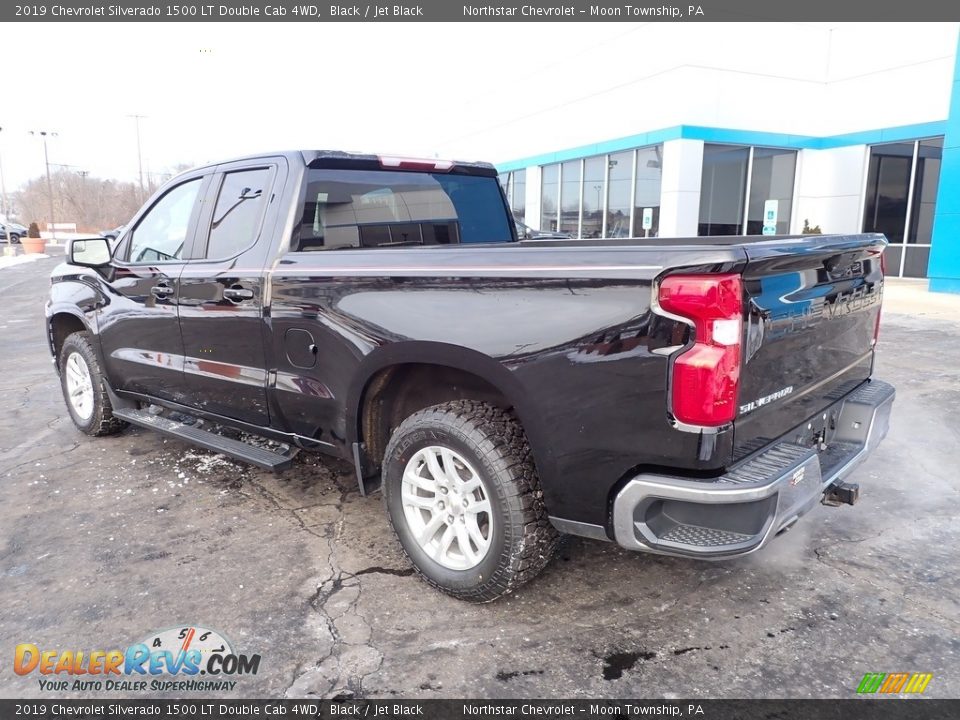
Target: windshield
pixel 378 208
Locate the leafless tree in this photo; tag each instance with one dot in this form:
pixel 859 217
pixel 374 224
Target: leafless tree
pixel 92 203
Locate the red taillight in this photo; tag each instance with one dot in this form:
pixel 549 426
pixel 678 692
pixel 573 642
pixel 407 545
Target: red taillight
pixel 706 376
pixel 403 163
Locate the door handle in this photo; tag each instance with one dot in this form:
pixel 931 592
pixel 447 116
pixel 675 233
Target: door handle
pixel 161 291
pixel 237 294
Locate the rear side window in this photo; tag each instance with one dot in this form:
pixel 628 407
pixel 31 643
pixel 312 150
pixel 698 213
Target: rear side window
pixel 371 208
pixel 238 213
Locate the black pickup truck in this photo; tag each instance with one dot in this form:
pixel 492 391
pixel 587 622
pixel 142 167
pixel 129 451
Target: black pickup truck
pixel 688 397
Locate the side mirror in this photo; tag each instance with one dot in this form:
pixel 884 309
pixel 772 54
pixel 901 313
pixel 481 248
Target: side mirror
pixel 90 252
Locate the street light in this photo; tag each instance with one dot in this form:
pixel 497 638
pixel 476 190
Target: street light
pixel 137 119
pixel 46 160
pixel 83 193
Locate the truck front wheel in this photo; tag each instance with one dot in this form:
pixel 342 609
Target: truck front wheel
pixel 84 388
pixel 463 496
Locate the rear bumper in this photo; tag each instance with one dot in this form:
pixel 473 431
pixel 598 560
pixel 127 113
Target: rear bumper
pixel 738 512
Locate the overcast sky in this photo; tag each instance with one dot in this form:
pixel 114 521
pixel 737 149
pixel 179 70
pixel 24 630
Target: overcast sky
pixel 491 91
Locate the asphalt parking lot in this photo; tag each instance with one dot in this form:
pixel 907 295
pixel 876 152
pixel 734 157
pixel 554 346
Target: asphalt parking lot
pixel 103 541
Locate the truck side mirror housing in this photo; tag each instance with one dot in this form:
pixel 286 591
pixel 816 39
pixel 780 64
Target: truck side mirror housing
pixel 90 252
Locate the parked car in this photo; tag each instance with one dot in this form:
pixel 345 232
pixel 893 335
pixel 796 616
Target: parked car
pixel 525 232
pixel 690 398
pixel 17 231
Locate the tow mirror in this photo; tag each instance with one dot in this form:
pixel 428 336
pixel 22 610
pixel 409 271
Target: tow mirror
pixel 90 252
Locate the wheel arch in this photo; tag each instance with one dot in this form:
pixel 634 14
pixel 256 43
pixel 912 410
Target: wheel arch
pixel 62 323
pixel 401 379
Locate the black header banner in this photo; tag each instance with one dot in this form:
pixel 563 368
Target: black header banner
pixel 893 708
pixel 458 11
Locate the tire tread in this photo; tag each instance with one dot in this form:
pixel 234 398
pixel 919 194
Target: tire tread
pixel 103 421
pixel 501 438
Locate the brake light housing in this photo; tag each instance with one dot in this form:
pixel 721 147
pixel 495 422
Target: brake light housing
pixel 705 377
pixel 390 162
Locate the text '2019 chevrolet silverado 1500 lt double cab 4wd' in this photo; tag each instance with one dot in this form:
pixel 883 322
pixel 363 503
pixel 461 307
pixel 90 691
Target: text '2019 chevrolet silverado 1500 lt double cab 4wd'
pixel 688 397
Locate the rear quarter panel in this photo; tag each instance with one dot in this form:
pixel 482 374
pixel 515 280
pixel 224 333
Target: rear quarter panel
pixel 564 333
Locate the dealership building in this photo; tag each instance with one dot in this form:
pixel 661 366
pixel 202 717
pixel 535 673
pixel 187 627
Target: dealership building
pixel 842 129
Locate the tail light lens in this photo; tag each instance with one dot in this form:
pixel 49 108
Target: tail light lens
pixel 706 376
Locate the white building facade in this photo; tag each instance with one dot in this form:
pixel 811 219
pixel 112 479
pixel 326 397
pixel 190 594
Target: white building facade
pixel 837 129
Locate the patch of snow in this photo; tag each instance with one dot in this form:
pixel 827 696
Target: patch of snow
pixel 9 261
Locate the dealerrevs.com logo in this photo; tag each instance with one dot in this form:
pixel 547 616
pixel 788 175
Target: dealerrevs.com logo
pixel 174 660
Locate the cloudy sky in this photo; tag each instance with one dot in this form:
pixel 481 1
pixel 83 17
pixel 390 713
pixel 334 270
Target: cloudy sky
pixel 492 91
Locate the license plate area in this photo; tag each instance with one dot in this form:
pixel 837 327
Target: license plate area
pixel 818 431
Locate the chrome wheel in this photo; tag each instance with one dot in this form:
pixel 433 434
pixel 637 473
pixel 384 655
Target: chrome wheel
pixel 447 508
pixel 79 386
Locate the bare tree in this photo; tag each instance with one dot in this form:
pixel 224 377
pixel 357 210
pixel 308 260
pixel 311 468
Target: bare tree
pixel 92 203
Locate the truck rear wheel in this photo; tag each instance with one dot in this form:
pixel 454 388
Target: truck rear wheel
pixel 84 389
pixel 463 496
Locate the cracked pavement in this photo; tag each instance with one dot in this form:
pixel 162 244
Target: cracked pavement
pixel 103 541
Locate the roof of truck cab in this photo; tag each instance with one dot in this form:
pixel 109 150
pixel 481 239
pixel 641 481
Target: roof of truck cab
pixel 342 159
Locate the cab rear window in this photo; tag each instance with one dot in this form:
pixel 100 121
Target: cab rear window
pixel 378 208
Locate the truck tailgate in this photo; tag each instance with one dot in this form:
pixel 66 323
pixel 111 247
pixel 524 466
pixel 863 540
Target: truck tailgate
pixel 812 305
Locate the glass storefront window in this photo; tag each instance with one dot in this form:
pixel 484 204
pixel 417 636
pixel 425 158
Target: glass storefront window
pixel 618 194
pixel 888 184
pixel 514 186
pixel 647 193
pixel 722 189
pixel 594 169
pixel 890 208
pixel 771 179
pixel 597 194
pixel 518 198
pixel 726 183
pixel 570 198
pixel 925 186
pixel 549 197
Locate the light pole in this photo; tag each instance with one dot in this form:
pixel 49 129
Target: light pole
pixel 137 119
pixel 46 159
pixel 83 194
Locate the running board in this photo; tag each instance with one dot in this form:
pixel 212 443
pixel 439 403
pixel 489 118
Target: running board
pixel 261 457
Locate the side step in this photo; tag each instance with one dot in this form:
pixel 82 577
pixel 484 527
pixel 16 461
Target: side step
pixel 261 457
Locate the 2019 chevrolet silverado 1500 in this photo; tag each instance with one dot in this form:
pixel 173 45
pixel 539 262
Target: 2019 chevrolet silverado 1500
pixel 688 397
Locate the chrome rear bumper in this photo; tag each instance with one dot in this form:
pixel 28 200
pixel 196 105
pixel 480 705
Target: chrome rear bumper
pixel 738 512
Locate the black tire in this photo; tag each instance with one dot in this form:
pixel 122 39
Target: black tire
pixel 522 540
pixel 101 420
pixel 14 238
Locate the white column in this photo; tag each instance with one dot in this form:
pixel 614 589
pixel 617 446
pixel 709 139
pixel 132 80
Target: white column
pixel 830 189
pixel 532 208
pixel 680 188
